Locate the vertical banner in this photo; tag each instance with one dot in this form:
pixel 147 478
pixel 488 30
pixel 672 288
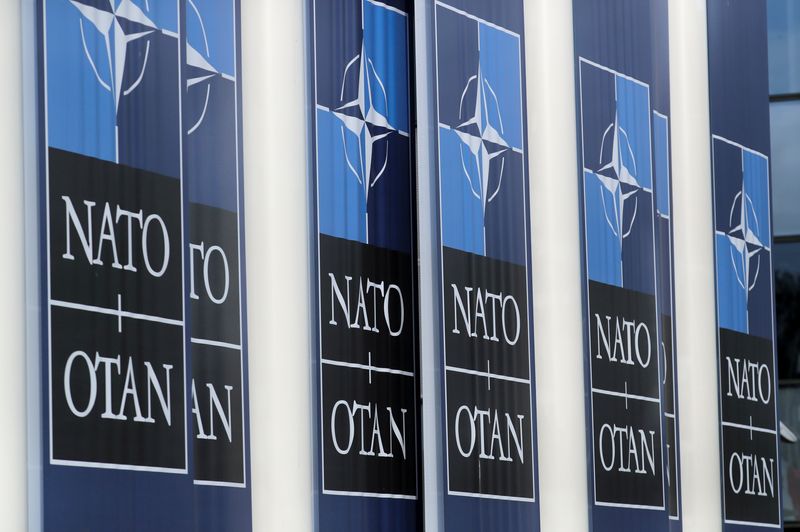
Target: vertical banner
pixel 367 440
pixel 622 70
pixel 144 368
pixel 488 409
pixel 738 85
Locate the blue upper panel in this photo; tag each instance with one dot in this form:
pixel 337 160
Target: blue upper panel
pixel 618 178
pixel 742 239
pixel 209 105
pixel 481 148
pixel 212 36
pixel 363 122
pixel 661 163
pixel 111 82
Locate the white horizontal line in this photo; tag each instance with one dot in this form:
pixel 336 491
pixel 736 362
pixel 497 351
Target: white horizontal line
pixel 214 343
pixel 367 367
pixel 487 374
pixel 119 467
pixel 747 427
pixel 477 19
pixel 490 496
pixel 228 77
pixel 368 494
pixel 219 484
pixel 170 33
pixel 612 71
pixel 660 115
pixel 740 146
pixel 114 312
pixel 390 8
pixel 627 395
pixel 623 505
pixel 768 525
pixel 669 415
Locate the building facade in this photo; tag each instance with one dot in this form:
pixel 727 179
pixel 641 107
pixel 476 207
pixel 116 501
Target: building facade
pixel 400 265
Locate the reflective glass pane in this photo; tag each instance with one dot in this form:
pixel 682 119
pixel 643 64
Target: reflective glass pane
pixel 783 20
pixel 789 405
pixel 787 303
pixel 785 135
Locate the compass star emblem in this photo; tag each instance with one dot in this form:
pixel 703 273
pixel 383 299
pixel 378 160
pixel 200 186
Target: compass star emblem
pixel 744 240
pixel 362 118
pixel 119 25
pixel 200 72
pixel 618 178
pixel 480 138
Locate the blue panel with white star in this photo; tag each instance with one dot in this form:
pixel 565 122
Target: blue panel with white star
pixel 140 108
pixel 363 122
pixel 742 239
pixel 618 180
pixel 481 149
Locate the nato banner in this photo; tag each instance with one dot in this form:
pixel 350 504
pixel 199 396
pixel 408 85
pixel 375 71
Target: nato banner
pixel 488 411
pixel 739 96
pixel 364 233
pixel 144 366
pixel 623 109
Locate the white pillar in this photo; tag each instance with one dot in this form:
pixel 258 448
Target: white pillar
pixel 278 275
pixel 557 282
pixel 695 312
pixel 434 485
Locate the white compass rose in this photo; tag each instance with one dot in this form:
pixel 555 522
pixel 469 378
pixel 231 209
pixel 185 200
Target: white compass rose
pixel 119 25
pixel 744 240
pixel 363 119
pixel 618 177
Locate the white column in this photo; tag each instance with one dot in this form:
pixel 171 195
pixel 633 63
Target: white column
pixel 558 314
pixel 695 318
pixel 276 208
pixel 434 485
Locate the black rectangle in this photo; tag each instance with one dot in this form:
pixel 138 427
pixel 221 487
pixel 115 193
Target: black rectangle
pixel 376 322
pixel 217 414
pixel 627 443
pixel 489 436
pixel 369 434
pixel 115 236
pixel 623 336
pixel 672 465
pixel 668 361
pixel 746 379
pixel 367 369
pixel 213 256
pixel 107 358
pixel 750 458
pixel 485 314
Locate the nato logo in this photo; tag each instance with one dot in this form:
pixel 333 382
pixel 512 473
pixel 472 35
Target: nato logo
pixel 744 266
pixel 618 178
pixel 210 104
pixel 112 77
pixel 481 157
pixel 363 150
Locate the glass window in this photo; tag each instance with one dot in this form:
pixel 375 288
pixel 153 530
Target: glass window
pixel 785 134
pixel 789 403
pixel 787 298
pixel 783 21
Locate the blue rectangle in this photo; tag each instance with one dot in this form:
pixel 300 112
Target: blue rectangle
pixel 483 191
pixel 623 105
pixel 120 96
pixel 740 144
